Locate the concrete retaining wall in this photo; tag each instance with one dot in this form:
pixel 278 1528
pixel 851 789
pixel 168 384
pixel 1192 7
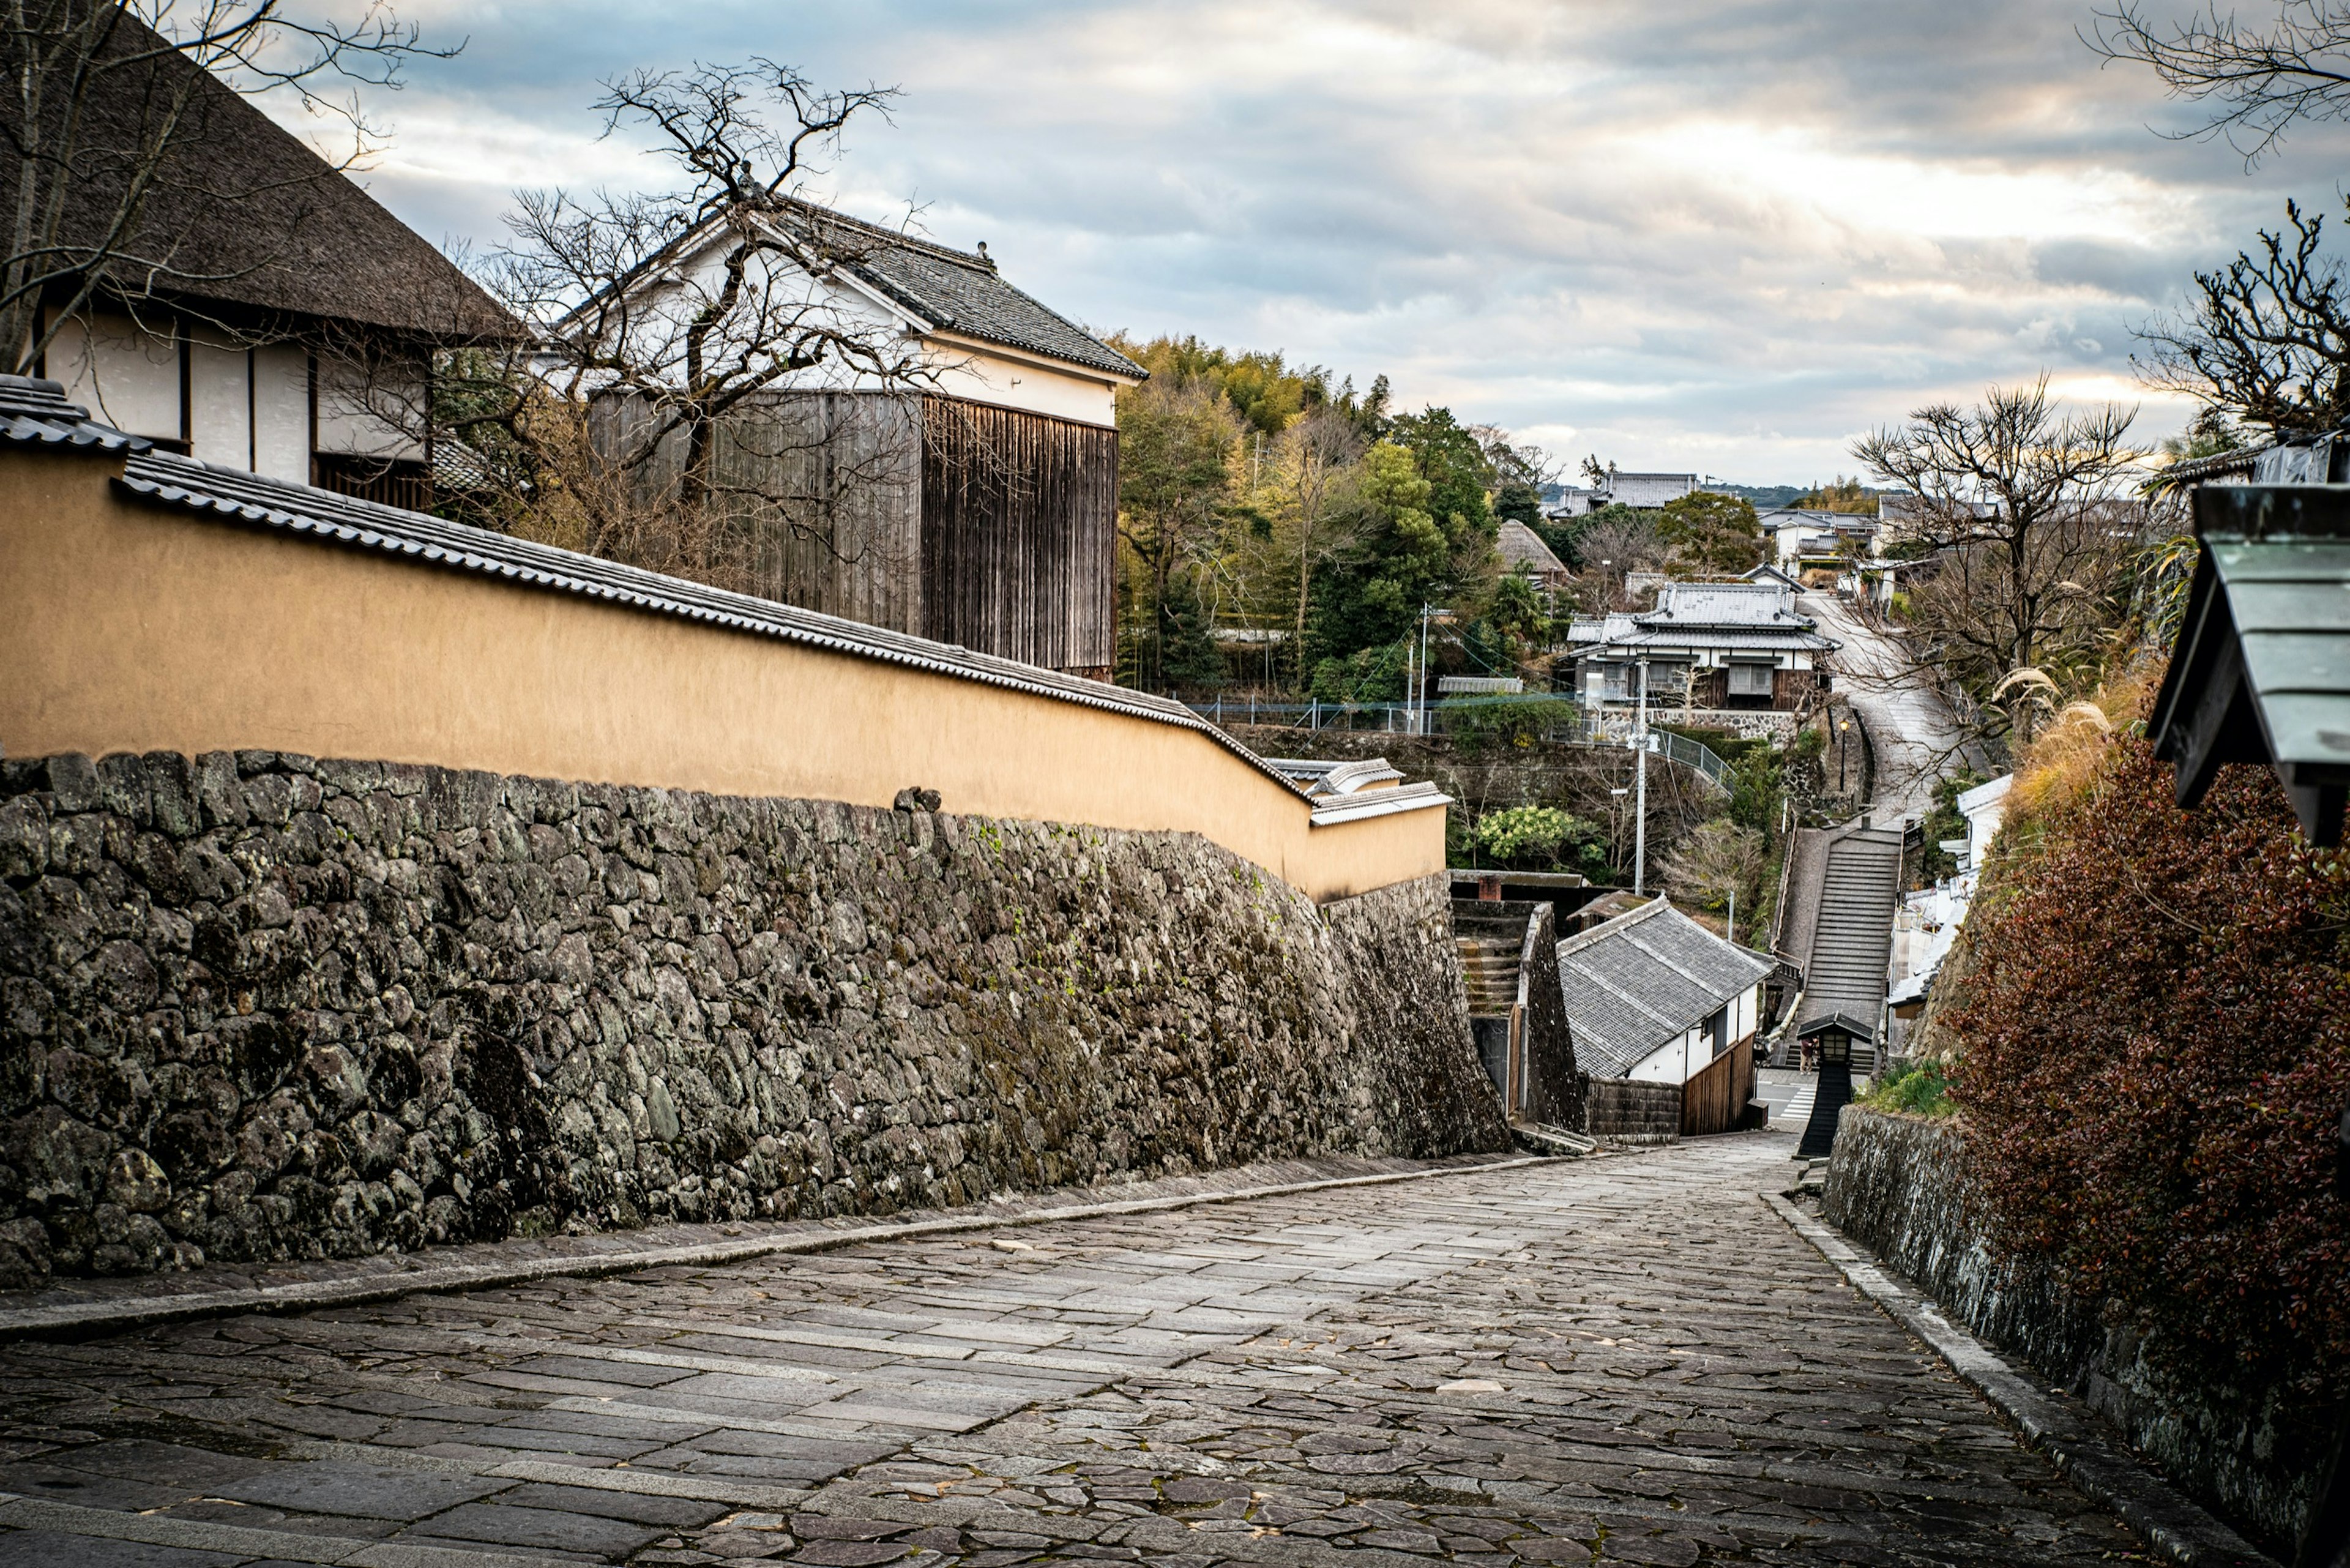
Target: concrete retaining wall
pixel 1899 1185
pixel 256 1006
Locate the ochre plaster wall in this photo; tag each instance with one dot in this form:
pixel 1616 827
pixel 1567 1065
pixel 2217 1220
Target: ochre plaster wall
pixel 130 628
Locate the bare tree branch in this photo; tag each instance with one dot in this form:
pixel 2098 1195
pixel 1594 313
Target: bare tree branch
pixel 103 121
pixel 2258 81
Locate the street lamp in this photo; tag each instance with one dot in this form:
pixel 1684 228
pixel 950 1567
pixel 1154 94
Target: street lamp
pixel 1834 1036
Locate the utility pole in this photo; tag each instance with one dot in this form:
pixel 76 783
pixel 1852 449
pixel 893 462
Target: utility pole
pixel 1409 718
pixel 1733 914
pixel 1423 666
pixel 1640 790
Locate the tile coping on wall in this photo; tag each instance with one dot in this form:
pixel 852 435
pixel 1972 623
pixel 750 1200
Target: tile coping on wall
pixel 2176 1527
pixel 87 1308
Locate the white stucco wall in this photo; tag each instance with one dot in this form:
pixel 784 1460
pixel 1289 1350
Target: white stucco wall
pixel 247 407
pixel 956 366
pixel 988 375
pixel 122 372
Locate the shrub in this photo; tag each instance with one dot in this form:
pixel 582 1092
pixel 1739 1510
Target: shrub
pixel 1535 836
pixel 2156 1039
pixel 1921 1089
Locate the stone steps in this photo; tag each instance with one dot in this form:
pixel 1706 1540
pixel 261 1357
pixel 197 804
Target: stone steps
pixel 1489 972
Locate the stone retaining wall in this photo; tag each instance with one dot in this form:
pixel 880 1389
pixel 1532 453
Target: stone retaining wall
pixel 256 1006
pixel 1899 1185
pixel 1629 1109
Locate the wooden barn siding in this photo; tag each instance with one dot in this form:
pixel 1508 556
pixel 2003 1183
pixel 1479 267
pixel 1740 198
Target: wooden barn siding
pixel 846 537
pixel 1019 535
pixel 823 490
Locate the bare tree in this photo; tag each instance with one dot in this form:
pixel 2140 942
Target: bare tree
pixel 1317 458
pixel 2258 80
pixel 1714 862
pixel 110 116
pixel 704 377
pixel 2267 341
pixel 2028 516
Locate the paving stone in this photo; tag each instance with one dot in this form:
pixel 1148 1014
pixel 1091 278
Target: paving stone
pixel 385 1492
pixel 494 1524
pixel 1680 1380
pixel 47 1549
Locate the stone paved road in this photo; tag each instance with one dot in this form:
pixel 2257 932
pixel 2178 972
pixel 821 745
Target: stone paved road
pixel 1916 739
pixel 1620 1360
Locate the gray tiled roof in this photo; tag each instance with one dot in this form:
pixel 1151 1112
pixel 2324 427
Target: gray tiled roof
pixel 1754 604
pixel 1642 979
pixel 36 411
pixel 957 291
pixel 1755 615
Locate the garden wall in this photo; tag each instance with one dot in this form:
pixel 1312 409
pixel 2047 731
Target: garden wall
pixel 1898 1185
pixel 258 1006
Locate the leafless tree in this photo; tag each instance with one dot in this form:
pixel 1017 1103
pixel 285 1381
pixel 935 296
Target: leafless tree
pixel 1318 458
pixel 2258 79
pixel 1610 550
pixel 1714 862
pixel 2267 341
pixel 705 390
pixel 2027 516
pixel 106 131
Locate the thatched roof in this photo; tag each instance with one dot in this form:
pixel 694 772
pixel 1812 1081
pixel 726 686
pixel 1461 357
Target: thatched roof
pixel 244 219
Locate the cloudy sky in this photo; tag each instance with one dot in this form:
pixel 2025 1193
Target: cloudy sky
pixel 1724 237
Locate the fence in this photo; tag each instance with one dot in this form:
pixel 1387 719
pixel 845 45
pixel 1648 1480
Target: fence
pixel 1714 1099
pixel 1562 721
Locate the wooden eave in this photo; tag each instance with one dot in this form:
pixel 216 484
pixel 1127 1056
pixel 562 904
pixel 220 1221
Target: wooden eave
pixel 2262 670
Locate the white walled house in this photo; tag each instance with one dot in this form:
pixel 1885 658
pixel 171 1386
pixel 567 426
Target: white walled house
pixel 275 312
pixel 959 458
pixel 1653 996
pixel 1706 645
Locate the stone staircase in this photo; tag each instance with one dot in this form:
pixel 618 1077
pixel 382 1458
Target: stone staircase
pixel 1852 930
pixel 1489 968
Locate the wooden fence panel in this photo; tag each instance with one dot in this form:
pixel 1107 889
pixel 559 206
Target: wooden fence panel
pixel 1019 535
pixel 1716 1095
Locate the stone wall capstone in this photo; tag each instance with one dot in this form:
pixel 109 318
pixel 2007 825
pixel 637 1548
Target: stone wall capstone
pixel 1899 1185
pixel 258 1006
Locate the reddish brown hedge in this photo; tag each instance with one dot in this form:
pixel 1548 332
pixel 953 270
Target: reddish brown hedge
pixel 2157 1040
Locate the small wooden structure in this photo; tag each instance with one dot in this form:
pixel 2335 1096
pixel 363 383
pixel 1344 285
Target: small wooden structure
pixel 2262 670
pixel 1836 1036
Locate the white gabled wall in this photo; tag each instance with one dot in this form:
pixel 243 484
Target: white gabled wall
pixel 1687 1053
pixel 962 366
pixel 986 375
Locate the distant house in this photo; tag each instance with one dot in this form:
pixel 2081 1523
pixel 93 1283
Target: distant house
pixel 1706 645
pixel 1642 490
pixel 277 304
pixel 1805 540
pixel 981 511
pixel 1653 996
pixel 1524 552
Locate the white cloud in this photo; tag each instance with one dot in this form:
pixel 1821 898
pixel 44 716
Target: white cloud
pixel 1729 236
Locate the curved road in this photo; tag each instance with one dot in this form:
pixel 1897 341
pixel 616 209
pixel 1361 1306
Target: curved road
pixel 1916 738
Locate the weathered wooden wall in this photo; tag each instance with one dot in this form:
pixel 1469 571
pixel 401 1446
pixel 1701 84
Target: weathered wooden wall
pixel 831 487
pixel 1019 528
pixel 991 528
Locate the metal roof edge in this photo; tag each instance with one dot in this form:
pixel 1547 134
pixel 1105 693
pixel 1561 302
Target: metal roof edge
pixel 1380 803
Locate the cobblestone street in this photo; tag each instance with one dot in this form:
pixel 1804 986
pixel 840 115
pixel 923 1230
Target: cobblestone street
pixel 1628 1359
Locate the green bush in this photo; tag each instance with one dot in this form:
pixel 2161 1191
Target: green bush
pixel 1918 1088
pixel 1537 838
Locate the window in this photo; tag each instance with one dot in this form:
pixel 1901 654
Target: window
pixel 1750 679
